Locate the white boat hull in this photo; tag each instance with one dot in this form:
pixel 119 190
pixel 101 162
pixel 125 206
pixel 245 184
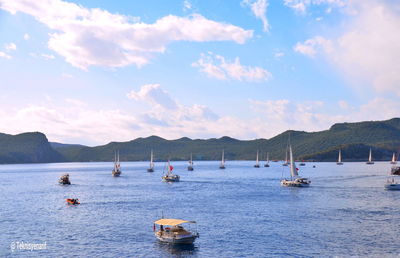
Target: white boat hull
pixel 174 178
pixel 392 186
pixel 295 183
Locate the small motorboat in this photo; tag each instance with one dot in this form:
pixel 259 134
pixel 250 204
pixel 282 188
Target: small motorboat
pixel 395 171
pixel 73 201
pixel 171 231
pixel 391 184
pixel 169 176
pixel 64 180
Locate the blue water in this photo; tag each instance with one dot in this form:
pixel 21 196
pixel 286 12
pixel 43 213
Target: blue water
pixel 241 211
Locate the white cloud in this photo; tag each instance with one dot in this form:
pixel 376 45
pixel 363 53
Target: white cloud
pixel 259 9
pixel 10 46
pixel 187 5
pixel 26 36
pixel 215 66
pixel 4 55
pixel 301 6
pixel 47 56
pixel 367 52
pixel 155 95
pixel 284 114
pixel 343 104
pixel 311 46
pixel 279 55
pixel 94 37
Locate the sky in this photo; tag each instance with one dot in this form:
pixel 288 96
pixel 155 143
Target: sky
pixel 95 71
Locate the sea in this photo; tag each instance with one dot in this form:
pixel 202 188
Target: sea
pixel 241 211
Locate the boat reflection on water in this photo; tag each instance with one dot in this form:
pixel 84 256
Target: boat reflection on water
pixel 179 250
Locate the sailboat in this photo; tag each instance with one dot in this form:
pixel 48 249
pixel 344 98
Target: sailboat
pixel 151 168
pixel 190 166
pixel 169 176
pixel 222 165
pixel 339 162
pixel 393 159
pixel 117 166
pixel 370 162
pixel 257 165
pixel 286 159
pixel 267 163
pixel 295 179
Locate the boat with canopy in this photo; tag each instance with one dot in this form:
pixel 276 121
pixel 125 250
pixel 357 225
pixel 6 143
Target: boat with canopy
pixel 171 231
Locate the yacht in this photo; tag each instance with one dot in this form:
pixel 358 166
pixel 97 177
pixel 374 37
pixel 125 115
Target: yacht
pixel 222 165
pixel 267 163
pixel 339 162
pixel 393 159
pixel 295 180
pixel 117 166
pixel 257 165
pixel 171 231
pixel 370 162
pixel 190 166
pixel 151 168
pixel 169 176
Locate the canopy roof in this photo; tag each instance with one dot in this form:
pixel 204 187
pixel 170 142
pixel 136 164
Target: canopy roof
pixel 172 222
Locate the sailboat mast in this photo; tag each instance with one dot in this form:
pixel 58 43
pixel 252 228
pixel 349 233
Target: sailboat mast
pixel 223 157
pixel 191 159
pixel 151 159
pixel 340 156
pixel 267 157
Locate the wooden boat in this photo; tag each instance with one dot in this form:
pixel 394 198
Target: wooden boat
pixel 171 231
pixel 64 180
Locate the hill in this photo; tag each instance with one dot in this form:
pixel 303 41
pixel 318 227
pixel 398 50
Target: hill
pixel 27 148
pixel 354 139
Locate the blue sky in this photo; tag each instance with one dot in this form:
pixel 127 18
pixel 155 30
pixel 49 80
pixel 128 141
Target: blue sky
pixel 97 71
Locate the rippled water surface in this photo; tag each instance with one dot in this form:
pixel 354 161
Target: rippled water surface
pixel 241 211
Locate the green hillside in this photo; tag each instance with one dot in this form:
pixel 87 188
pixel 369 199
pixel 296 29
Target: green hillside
pixel 355 140
pixel 27 148
pixel 383 136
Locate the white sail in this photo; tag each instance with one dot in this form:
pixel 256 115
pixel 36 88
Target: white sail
pixel 223 158
pixel 293 169
pixel 370 155
pixel 267 157
pixel 394 158
pixel 257 158
pixel 191 159
pixel 151 160
pixel 340 156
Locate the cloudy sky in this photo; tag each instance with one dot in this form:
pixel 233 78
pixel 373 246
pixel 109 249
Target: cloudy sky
pixel 94 71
